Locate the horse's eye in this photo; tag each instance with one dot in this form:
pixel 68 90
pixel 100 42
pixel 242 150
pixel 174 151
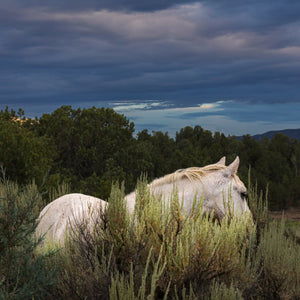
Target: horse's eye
pixel 243 195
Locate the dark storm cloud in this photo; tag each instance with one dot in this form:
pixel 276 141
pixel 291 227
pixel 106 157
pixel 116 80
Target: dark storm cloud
pixel 180 51
pixel 128 5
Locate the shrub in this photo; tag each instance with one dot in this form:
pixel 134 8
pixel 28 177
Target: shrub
pixel 23 272
pixel 219 291
pixel 280 260
pixel 160 252
pixel 159 248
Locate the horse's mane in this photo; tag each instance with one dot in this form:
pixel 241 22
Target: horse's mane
pixel 192 174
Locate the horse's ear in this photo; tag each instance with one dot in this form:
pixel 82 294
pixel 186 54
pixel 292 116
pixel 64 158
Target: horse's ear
pixel 222 161
pixel 232 168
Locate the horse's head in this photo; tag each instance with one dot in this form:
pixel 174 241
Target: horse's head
pixel 224 192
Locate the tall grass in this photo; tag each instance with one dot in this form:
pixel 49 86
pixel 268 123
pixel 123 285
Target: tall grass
pixel 62 189
pixel 160 252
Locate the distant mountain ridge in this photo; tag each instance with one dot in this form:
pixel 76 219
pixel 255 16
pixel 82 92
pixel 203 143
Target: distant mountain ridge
pixel 291 133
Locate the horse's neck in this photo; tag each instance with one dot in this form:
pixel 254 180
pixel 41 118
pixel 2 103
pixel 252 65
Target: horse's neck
pixel 162 189
pixel 183 187
pixel 186 191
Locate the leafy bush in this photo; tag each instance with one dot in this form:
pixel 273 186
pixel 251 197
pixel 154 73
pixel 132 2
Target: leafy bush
pixel 280 257
pixel 160 252
pixel 23 273
pixel 219 291
pixel 157 252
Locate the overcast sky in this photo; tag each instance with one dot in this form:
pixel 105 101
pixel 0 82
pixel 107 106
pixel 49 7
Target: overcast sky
pixel 229 66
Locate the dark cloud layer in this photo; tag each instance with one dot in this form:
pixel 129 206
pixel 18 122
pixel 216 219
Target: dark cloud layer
pixel 127 5
pixel 182 52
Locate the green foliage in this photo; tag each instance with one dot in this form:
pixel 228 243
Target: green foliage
pixel 6 115
pixel 258 204
pixel 23 273
pixel 24 156
pixel 60 190
pixel 280 257
pixel 159 252
pixel 121 288
pixel 219 291
pixel 91 148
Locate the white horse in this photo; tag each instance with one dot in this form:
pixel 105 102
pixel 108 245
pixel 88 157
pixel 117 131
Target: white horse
pixel 69 210
pixel 220 187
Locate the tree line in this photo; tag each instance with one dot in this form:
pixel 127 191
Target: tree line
pixel 90 148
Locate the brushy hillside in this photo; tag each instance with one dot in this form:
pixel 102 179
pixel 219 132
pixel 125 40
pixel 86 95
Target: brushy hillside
pixel 160 253
pixel 157 253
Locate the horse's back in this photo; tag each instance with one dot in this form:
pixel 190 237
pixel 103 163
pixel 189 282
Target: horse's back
pixel 57 216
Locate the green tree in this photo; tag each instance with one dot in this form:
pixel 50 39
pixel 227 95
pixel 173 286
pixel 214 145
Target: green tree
pixel 163 149
pixel 92 144
pixel 143 155
pixel 24 155
pixel 193 145
pixel 12 115
pixel 23 273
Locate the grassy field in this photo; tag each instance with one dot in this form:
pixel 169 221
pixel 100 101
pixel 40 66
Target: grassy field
pixel 157 253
